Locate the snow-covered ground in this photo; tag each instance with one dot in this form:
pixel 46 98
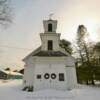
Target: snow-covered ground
pixel 11 90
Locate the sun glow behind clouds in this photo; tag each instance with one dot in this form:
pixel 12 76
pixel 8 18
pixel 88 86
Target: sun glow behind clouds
pixel 91 26
pixel 69 30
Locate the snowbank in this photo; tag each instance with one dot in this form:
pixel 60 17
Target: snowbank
pixel 11 90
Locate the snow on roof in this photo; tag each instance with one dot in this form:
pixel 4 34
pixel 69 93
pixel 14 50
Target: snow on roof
pixel 10 72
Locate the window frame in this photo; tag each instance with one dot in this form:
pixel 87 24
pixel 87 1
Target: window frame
pixel 38 76
pixel 50 28
pixel 61 77
pixel 50 44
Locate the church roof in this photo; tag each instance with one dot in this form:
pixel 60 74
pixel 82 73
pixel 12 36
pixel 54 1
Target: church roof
pixel 50 54
pixel 32 53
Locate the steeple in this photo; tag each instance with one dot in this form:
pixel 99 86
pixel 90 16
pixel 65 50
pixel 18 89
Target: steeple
pixel 50 39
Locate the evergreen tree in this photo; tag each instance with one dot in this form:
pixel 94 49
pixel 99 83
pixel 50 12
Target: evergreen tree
pixel 66 45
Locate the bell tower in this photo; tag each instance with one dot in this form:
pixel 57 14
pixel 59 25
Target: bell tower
pixel 50 26
pixel 50 39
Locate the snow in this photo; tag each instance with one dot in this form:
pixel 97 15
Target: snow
pixel 11 90
pixel 10 72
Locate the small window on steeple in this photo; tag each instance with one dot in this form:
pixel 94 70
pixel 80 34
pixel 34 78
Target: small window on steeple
pixel 50 27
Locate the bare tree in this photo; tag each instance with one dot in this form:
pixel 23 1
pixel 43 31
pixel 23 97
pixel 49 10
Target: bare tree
pixel 88 70
pixel 5 12
pixel 82 46
pixel 97 53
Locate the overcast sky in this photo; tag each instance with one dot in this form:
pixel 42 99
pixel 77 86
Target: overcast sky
pixel 27 24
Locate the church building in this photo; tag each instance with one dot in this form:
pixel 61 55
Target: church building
pixel 49 66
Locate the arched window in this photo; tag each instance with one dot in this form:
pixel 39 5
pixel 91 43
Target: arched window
pixel 50 27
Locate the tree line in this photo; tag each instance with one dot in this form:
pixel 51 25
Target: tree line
pixel 87 54
pixel 88 61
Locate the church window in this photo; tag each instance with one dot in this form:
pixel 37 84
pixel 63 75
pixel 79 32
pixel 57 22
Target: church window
pixel 50 45
pixel 46 76
pixel 50 27
pixel 53 75
pixel 38 76
pixel 61 77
